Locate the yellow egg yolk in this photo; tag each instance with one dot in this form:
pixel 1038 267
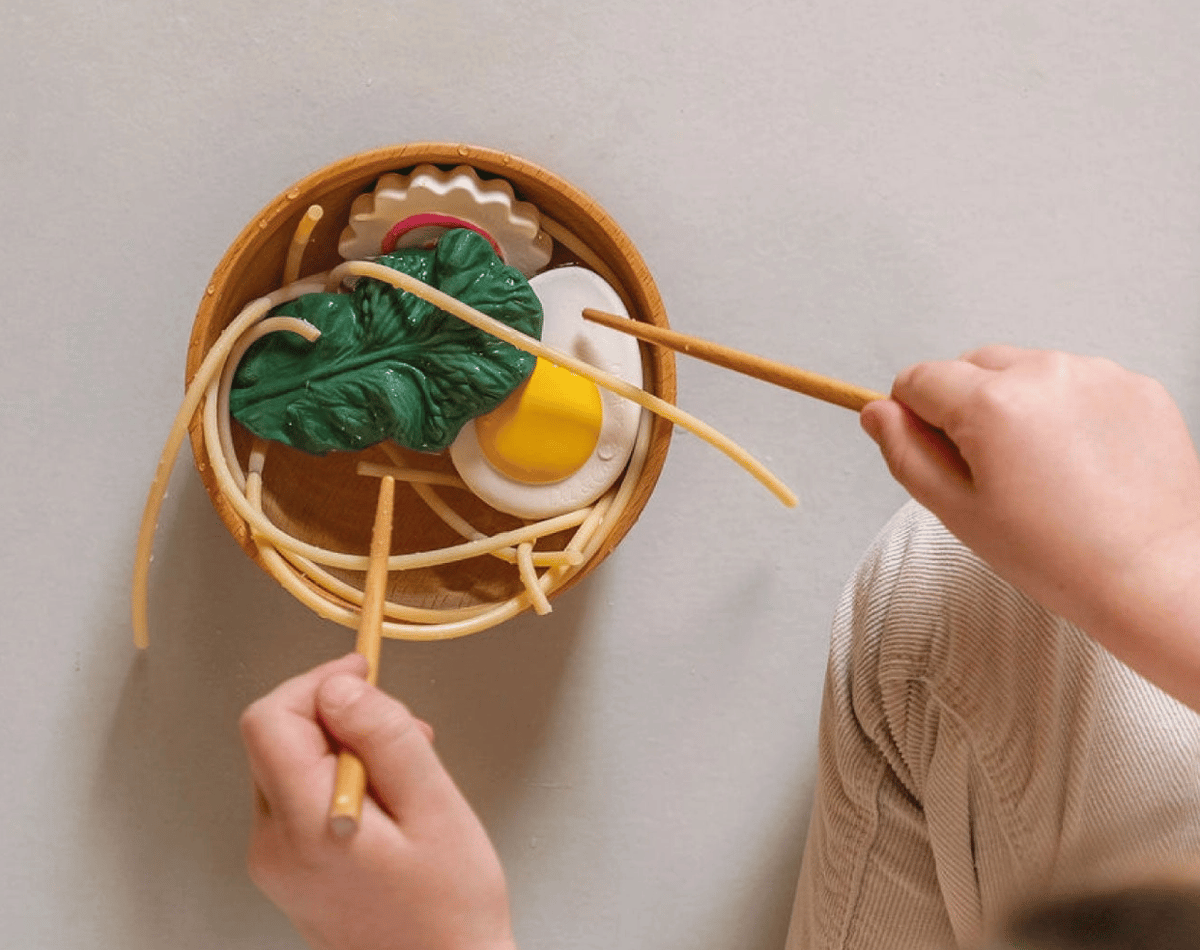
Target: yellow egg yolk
pixel 546 430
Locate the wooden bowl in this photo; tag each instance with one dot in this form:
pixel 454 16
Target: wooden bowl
pixel 322 500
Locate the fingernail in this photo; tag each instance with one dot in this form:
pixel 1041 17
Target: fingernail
pixel 342 690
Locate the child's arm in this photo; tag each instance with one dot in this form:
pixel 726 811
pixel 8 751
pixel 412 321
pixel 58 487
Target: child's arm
pixel 419 872
pixel 1075 479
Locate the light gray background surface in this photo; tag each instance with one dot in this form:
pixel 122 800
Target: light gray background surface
pixel 848 185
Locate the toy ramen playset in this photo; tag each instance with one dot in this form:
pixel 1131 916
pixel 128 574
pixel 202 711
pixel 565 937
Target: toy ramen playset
pixel 415 314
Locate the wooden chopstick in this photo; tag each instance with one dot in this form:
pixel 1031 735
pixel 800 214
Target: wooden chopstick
pixel 345 812
pixel 770 371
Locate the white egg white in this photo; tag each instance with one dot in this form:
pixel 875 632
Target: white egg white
pixel 564 293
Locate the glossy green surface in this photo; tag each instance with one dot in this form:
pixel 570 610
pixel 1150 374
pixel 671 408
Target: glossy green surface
pixel 387 364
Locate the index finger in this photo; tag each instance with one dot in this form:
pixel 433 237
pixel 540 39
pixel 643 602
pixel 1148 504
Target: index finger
pixel 283 738
pixel 936 391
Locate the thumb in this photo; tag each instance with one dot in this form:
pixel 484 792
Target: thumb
pixel 919 456
pixel 394 746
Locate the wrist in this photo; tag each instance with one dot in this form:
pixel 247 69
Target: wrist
pixel 1148 615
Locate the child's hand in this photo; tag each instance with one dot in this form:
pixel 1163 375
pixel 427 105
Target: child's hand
pixel 419 872
pixel 1074 478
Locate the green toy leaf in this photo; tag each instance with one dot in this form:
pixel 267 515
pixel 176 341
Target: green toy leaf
pixel 388 364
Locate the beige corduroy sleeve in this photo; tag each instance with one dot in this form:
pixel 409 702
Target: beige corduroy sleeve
pixel 976 750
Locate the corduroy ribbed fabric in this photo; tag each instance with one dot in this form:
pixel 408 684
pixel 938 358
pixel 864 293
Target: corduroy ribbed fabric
pixel 975 751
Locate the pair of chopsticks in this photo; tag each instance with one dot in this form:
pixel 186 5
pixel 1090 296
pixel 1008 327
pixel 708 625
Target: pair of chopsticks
pixel 820 387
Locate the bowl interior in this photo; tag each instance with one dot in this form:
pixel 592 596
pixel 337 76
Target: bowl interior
pixel 322 500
